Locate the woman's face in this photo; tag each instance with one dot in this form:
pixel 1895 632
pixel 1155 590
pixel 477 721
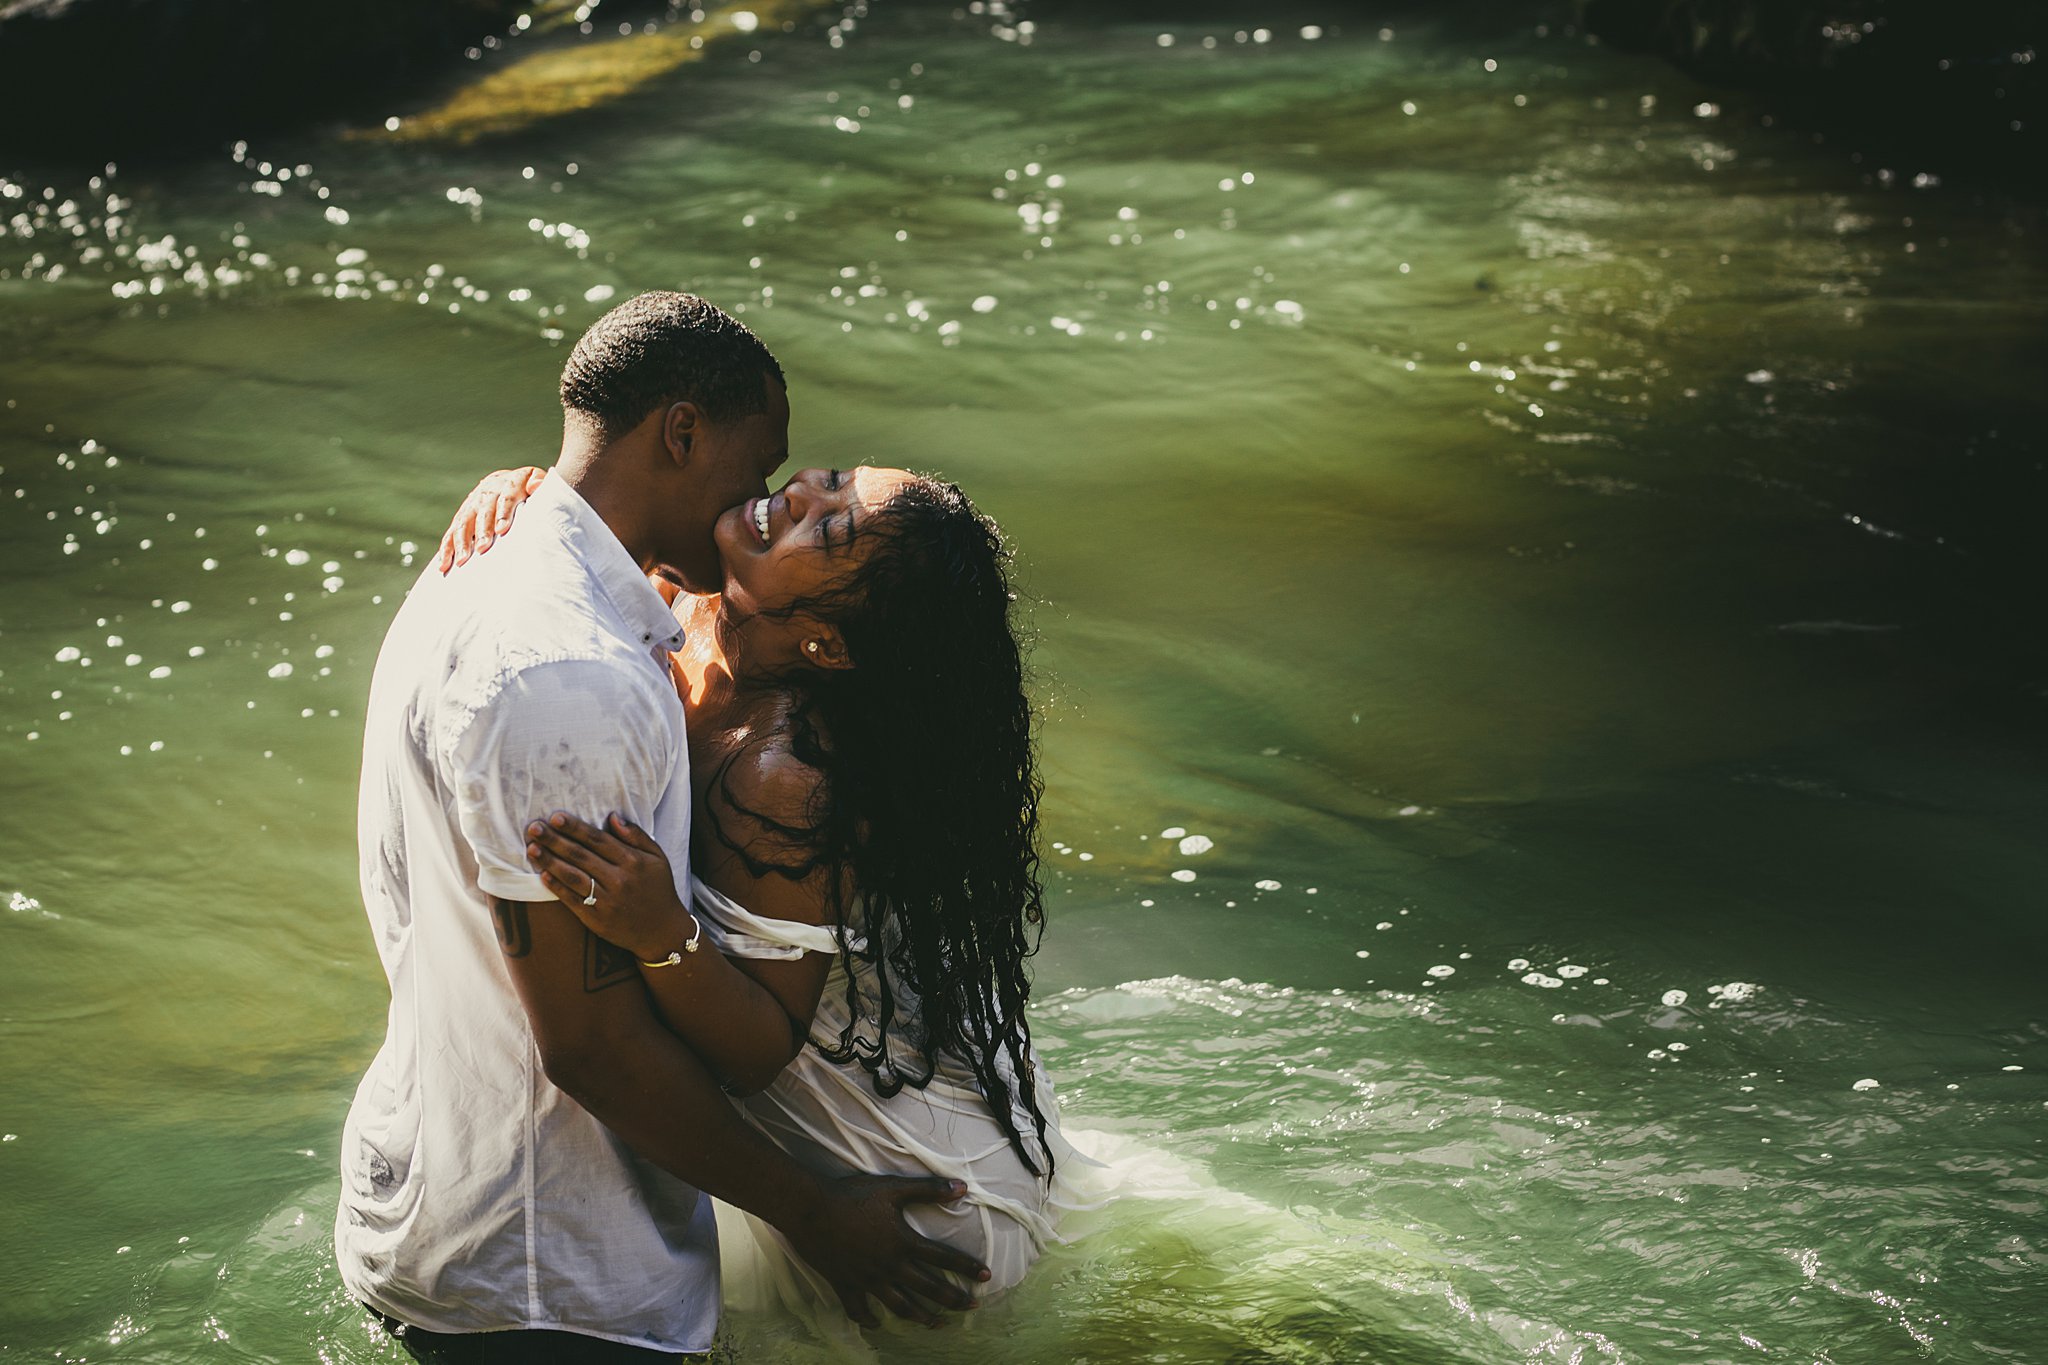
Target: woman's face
pixel 797 543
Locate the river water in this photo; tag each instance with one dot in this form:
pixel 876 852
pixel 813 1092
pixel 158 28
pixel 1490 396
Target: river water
pixel 1562 553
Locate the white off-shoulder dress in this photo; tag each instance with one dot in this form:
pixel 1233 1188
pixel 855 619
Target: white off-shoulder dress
pixel 830 1117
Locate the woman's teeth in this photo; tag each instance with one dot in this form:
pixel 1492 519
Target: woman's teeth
pixel 761 519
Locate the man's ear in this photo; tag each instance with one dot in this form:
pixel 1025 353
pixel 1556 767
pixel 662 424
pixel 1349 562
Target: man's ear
pixel 825 647
pixel 682 427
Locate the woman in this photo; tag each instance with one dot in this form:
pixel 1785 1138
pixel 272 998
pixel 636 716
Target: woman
pixel 864 844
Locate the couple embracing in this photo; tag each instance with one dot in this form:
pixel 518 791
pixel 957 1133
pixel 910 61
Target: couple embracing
pixel 697 834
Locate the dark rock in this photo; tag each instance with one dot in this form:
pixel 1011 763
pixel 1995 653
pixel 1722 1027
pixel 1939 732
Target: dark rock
pixel 1943 84
pixel 101 78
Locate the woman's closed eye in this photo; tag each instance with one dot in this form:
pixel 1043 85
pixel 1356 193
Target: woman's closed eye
pixel 839 531
pixel 832 538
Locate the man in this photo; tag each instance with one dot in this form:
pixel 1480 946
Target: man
pixel 522 1163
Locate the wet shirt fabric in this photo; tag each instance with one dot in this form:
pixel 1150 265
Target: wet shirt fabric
pixel 475 1195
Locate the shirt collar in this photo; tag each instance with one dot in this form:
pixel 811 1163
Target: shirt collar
pixel 593 542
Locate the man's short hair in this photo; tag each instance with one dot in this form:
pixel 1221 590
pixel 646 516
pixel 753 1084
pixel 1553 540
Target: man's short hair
pixel 660 348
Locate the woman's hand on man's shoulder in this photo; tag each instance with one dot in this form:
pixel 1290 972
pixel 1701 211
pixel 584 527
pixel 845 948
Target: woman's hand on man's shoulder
pixel 486 514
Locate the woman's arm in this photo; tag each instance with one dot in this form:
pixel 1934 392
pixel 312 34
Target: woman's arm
pixel 745 1025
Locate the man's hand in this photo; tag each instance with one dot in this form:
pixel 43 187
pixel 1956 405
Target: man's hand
pixel 858 1239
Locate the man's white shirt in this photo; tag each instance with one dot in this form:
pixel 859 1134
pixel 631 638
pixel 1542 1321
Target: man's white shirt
pixel 475 1195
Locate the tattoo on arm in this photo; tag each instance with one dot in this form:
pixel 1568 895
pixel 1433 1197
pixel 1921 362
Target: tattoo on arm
pixel 606 964
pixel 515 930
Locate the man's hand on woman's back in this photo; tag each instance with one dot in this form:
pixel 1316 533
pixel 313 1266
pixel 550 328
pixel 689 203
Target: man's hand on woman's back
pixel 857 1237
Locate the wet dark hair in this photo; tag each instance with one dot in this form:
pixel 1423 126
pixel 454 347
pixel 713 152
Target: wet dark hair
pixel 926 821
pixel 660 348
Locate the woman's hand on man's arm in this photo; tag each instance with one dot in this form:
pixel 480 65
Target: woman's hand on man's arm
pixel 618 882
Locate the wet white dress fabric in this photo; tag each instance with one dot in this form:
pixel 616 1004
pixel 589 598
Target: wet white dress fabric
pixel 830 1117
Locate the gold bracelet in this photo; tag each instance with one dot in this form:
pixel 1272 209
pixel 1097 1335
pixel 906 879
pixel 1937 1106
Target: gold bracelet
pixel 675 957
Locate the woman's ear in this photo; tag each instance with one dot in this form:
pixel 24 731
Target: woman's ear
pixel 824 647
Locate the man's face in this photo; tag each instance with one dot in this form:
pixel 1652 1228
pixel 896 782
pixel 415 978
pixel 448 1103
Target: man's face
pixel 729 463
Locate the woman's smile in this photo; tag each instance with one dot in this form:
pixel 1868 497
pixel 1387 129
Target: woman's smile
pixel 800 538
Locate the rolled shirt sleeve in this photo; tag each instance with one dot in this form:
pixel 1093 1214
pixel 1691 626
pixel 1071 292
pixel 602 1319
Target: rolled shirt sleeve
pixel 584 736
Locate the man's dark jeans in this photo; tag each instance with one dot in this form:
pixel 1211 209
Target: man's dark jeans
pixel 519 1348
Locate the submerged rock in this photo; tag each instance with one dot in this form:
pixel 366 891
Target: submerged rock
pixel 583 75
pixel 98 78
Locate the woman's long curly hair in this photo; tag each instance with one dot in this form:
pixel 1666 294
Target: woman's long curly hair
pixel 926 822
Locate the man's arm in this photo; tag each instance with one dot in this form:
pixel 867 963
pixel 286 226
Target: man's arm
pixel 579 735
pixel 600 1043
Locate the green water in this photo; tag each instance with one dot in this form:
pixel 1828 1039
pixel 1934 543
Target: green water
pixel 1583 547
